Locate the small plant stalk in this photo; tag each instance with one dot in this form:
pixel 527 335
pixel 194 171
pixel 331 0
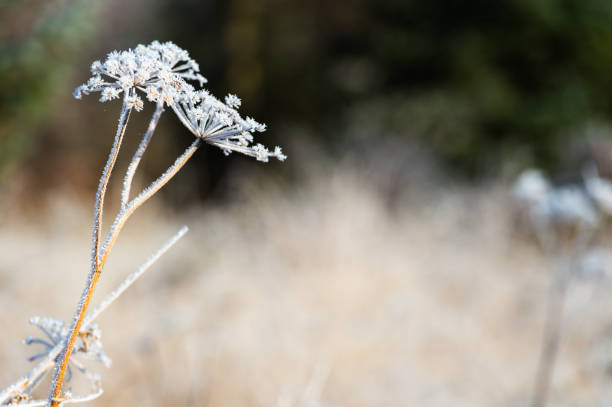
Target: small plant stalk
pixel 96 267
pixel 142 147
pixel 30 380
pixel 553 329
pixel 122 217
pixel 552 336
pixel 162 71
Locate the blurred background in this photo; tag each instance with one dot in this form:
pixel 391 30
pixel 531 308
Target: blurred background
pixel 380 264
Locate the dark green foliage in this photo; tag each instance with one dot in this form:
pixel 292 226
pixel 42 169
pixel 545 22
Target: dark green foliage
pixel 39 42
pixel 478 81
pixel 531 72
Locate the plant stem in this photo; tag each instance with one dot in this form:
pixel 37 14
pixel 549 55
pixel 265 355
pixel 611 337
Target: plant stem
pixel 94 274
pixel 125 284
pixel 32 377
pixel 103 186
pixel 552 336
pixel 25 383
pixel 122 217
pixel 127 183
pixel 155 186
pixel 554 317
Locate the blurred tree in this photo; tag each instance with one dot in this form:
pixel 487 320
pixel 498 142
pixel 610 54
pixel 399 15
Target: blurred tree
pixel 486 79
pixel 480 83
pixel 38 42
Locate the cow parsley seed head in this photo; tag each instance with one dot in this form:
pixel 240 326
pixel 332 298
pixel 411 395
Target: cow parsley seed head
pixel 161 70
pixel 233 101
pixel 135 102
pixel 221 125
pixel 109 94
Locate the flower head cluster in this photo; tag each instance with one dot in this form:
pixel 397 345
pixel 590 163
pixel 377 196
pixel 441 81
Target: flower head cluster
pixel 160 70
pixel 219 123
pixel 88 343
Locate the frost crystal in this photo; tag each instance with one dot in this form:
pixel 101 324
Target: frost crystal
pixel 161 72
pixel 220 124
pixel 88 343
pixel 159 69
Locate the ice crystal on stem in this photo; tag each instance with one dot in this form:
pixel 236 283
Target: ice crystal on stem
pixel 88 344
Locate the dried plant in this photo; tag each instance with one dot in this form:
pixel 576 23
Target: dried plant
pixel 162 71
pixel 558 216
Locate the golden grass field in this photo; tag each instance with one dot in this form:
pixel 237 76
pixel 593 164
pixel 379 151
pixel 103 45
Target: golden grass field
pixel 314 296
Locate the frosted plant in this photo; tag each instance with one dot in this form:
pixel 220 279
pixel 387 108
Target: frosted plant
pixel 162 72
pixel 88 343
pixel 568 205
pixel 599 189
pixel 221 125
pixel 551 211
pixel 596 263
pixel 530 187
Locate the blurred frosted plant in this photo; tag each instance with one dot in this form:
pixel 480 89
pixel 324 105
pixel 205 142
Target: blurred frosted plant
pixel 596 262
pixel 567 205
pixel 161 70
pixel 551 212
pixel 599 189
pixel 530 187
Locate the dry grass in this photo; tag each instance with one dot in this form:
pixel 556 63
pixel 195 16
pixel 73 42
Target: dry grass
pixel 434 305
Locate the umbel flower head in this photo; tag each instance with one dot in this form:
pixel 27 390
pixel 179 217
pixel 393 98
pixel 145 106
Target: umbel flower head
pixel 220 124
pixel 162 70
pixel 159 69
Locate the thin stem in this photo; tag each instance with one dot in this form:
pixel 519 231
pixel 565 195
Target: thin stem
pixel 127 183
pixel 155 186
pixel 34 376
pixel 106 173
pixel 58 376
pixel 73 399
pixel 94 274
pixel 552 336
pixel 554 317
pixel 133 277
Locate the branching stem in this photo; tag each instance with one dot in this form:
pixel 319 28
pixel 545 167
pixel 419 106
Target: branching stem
pixel 94 274
pixel 34 376
pixel 127 183
pixel 553 329
pixel 111 237
pixel 155 186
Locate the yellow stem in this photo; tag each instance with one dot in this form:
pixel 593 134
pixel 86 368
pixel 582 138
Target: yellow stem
pixel 55 399
pixel 96 269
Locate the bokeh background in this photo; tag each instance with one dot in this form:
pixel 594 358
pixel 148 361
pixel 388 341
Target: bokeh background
pixel 379 265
